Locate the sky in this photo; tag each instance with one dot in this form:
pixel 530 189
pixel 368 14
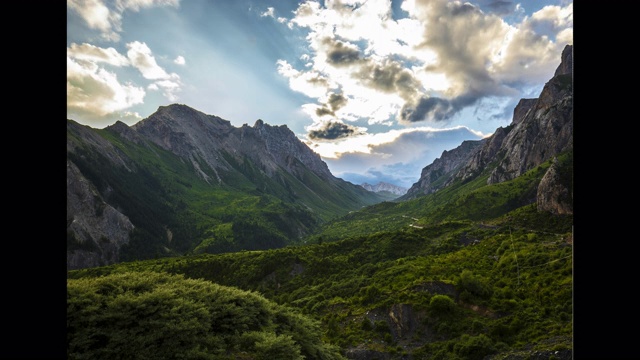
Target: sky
pixel 378 88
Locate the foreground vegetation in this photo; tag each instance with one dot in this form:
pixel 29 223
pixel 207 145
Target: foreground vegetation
pixel 148 315
pixel 452 290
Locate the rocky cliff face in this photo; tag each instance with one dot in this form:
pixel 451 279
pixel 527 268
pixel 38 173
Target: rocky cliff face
pixel 541 128
pixel 95 230
pixel 288 151
pixel 553 195
pixel 197 137
pixel 545 130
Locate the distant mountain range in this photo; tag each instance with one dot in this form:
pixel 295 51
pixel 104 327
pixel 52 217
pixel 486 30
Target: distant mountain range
pixel 383 187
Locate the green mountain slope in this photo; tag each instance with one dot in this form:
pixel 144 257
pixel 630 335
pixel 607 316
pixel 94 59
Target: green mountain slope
pixel 470 200
pixel 457 286
pixel 175 211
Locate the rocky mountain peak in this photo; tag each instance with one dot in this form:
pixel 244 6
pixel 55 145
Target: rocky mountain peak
pixel 436 175
pixel 566 66
pixel 541 128
pixel 125 131
pixel 285 147
pixel 519 112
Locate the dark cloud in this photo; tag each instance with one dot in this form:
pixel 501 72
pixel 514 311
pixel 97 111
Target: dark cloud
pixel 428 108
pixel 464 9
pixel 340 54
pixel 318 81
pixel 322 111
pixel 390 77
pixel 336 101
pixel 333 130
pixel 498 7
pixel 435 109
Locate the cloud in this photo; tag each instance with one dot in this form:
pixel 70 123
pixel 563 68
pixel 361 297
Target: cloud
pixel 433 108
pixel 269 12
pixel 430 66
pixel 396 157
pixel 94 90
pixel 390 77
pixel 500 7
pixel 179 60
pixel 551 21
pixel 142 59
pixel 335 102
pixel 332 130
pixel 106 16
pixel 310 83
pixel 340 53
pixel 94 54
pixel 140 56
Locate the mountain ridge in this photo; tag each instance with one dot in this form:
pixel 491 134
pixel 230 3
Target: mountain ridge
pixel 144 171
pixel 540 129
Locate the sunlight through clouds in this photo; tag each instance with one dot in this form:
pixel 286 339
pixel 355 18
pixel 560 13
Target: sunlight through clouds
pixel 357 80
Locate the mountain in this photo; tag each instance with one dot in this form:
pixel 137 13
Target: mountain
pixel 383 187
pixel 181 181
pixel 475 263
pixel 533 157
pixel 436 175
pixel 541 129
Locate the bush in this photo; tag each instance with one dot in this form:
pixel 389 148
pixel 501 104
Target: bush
pixel 474 347
pixel 151 315
pixel 441 304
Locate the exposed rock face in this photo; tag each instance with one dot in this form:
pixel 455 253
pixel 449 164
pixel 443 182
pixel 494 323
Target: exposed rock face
pixel 521 110
pixel 541 128
pixel 189 134
pixel 383 186
pixel 553 195
pixel 285 147
pixel 435 176
pixel 403 320
pixel 92 140
pixel 196 137
pixel 566 66
pixel 545 130
pixel 97 230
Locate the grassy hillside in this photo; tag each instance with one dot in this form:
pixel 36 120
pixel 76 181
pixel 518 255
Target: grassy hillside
pixel 471 200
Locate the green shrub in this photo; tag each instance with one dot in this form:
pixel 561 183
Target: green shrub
pixel 149 315
pixel 474 347
pixel 441 304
